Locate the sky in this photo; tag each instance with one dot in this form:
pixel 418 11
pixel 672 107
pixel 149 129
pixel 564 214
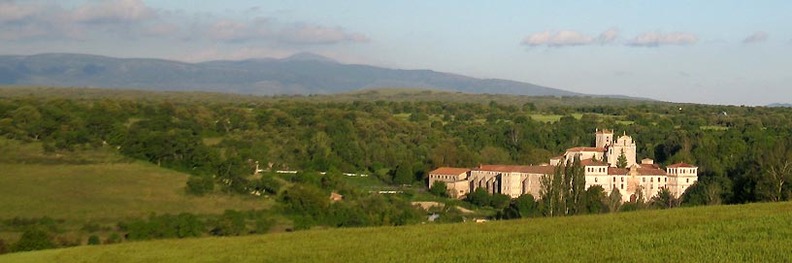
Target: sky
pixel 714 52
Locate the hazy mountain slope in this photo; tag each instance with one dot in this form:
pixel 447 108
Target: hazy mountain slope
pixel 299 74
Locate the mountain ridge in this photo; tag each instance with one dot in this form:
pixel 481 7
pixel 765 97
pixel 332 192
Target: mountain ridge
pixel 299 74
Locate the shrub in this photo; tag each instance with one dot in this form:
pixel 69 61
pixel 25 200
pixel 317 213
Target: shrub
pixel 3 247
pixel 200 185
pixel 94 240
pixel 114 238
pixel 34 239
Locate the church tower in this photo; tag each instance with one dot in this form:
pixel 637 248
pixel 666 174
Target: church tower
pixel 604 138
pixel 623 144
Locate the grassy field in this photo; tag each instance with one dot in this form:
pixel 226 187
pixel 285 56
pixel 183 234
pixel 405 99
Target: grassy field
pixel 102 191
pixel 748 233
pixel 95 186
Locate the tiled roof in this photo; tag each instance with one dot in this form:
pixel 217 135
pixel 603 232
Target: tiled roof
pixel 532 169
pixel 646 169
pixel 681 165
pixel 617 171
pixel 586 149
pixel 449 171
pixel 591 162
pixel 650 169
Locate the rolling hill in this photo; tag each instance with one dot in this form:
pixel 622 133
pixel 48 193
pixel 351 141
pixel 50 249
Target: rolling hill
pixel 302 73
pixel 746 233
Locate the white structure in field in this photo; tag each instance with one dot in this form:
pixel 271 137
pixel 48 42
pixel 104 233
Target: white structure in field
pixel 600 168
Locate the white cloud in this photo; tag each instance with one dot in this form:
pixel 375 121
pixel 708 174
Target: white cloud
pixel 565 38
pixel 756 37
pixel 655 39
pixel 557 39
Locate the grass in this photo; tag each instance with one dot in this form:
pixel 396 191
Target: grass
pixel 102 191
pixel 553 117
pixel 95 186
pixel 752 233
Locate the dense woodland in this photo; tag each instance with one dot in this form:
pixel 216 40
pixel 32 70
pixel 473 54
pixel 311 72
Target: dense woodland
pixel 743 152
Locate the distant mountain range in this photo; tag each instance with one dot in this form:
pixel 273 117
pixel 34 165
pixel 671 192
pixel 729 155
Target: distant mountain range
pixel 786 105
pixel 303 73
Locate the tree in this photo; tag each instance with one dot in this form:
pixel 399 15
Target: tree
pixel 614 200
pixel 777 166
pixel 404 173
pixel 578 188
pixel 479 197
pixel 439 188
pixel 521 207
pixel 664 199
pixel 499 201
pixel 552 192
pixel 34 239
pixel 200 185
pixel 621 162
pixel 596 200
pixel 269 184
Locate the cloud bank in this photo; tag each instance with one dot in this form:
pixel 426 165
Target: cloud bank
pixel 34 21
pixel 568 38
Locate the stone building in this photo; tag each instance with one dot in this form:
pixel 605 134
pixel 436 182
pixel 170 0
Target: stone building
pixel 600 165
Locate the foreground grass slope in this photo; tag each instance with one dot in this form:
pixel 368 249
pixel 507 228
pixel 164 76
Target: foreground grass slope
pixel 752 233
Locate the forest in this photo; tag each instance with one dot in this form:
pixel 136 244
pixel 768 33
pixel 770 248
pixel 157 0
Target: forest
pixel 231 146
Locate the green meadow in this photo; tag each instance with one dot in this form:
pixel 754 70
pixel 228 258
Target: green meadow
pixel 95 187
pixel 747 233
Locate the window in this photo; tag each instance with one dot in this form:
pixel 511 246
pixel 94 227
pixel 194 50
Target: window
pixel 687 180
pixel 643 180
pixel 614 179
pixel 595 179
pixel 622 179
pixel 622 186
pixel 651 180
pixel 666 179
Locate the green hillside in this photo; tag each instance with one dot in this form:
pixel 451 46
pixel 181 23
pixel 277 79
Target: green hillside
pixel 748 233
pixel 95 186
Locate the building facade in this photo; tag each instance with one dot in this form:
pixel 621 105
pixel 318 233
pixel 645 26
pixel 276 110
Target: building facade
pixel 600 165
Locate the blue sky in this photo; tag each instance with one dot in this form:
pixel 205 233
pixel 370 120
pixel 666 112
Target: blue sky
pixel 719 52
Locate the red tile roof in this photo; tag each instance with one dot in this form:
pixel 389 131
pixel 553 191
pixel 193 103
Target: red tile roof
pixel 591 162
pixel 533 169
pixel 586 149
pixel 681 165
pixel 646 169
pixel 617 171
pixel 449 171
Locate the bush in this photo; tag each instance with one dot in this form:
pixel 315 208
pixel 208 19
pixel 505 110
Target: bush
pixel 439 189
pixel 200 185
pixel 34 239
pixel 3 247
pixel 94 240
pixel 114 238
pixel 269 184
